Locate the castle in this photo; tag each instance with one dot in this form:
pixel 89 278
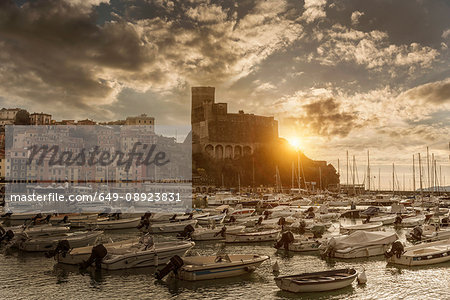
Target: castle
pixel 223 135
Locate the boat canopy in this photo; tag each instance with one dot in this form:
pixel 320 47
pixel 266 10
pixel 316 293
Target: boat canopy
pixel 363 239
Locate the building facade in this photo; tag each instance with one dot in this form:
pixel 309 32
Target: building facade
pixel 40 119
pixel 223 135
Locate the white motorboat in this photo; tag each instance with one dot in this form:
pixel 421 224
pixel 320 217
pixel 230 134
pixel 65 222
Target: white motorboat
pixel 169 227
pixel 39 230
pixel 360 227
pixel 208 219
pixel 118 224
pixel 317 281
pixel 421 254
pixel 47 243
pixel 386 220
pixel 241 213
pixel 410 221
pixel 146 255
pixel 298 244
pixel 358 244
pixel 428 233
pixel 195 268
pixel 218 233
pixel 75 256
pixel 249 237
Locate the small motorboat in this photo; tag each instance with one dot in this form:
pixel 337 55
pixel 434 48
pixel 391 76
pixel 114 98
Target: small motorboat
pixel 145 256
pixel 298 244
pixel 410 221
pixel 218 233
pixel 358 244
pixel 428 233
pixel 249 237
pixel 118 224
pixel 38 230
pixel 386 220
pixel 75 256
pixel 419 255
pixel 317 281
pixel 208 219
pixel 195 268
pixel 348 229
pixel 168 227
pixel 47 243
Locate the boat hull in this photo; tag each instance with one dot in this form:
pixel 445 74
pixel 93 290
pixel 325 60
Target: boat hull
pixel 252 238
pixel 146 258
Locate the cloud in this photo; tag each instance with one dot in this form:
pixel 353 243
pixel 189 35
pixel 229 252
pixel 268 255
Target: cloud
pixel 355 17
pixel 58 52
pixel 371 50
pixel 314 10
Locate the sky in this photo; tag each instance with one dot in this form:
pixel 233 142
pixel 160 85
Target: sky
pixel 337 75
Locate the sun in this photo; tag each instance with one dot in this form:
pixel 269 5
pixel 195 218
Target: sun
pixel 295 142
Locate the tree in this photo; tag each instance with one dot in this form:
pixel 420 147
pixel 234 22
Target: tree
pixel 22 118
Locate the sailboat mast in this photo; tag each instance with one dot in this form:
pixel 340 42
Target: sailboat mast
pixel 393 180
pixel 420 177
pixel 368 170
pixel 428 168
pixel 414 176
pixel 353 176
pixel 347 167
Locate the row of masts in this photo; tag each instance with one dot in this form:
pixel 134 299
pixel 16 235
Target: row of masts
pixel 434 174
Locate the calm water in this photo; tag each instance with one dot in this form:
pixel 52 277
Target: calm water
pixel 25 275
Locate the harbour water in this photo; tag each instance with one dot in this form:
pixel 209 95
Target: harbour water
pixel 32 276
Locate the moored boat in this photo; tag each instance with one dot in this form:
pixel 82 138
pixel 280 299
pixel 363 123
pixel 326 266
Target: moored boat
pixel 358 227
pixel 358 244
pixel 195 268
pixel 118 224
pixel 421 254
pixel 317 281
pixel 248 237
pixel 168 227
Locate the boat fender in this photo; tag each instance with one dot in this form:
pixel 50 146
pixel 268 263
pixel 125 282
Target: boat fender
pixel 259 222
pixel 362 278
pixel 98 253
pixel 276 267
pixel 174 264
pixel 221 232
pixel 286 239
pixel 63 247
pixel 397 249
pixel 187 232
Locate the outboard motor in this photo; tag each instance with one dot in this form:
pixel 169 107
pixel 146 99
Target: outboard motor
pixel 191 215
pixel 174 264
pixel 187 232
pixel 302 227
pixel 318 231
pixel 259 222
pixel 367 220
pixel 266 214
pixel 64 220
pixel 7 236
pixel 63 247
pixel 397 249
pixel 173 217
pixel 221 232
pixel 47 219
pixel 445 222
pixel 145 222
pixel 97 255
pixel 398 220
pixel 282 221
pixel 286 239
pixel 416 233
pixel 232 219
